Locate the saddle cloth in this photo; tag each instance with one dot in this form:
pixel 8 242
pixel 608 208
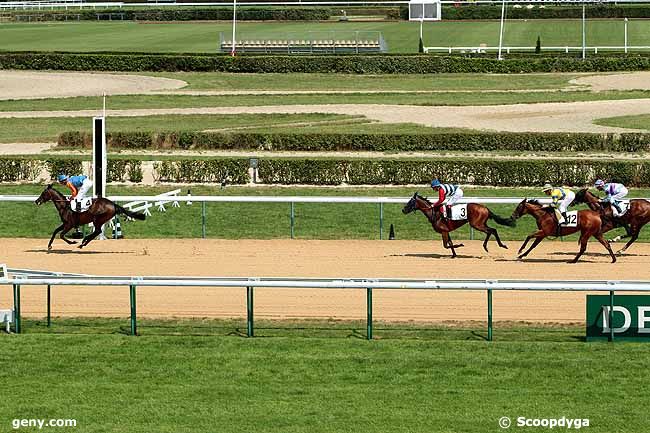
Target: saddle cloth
pixel 459 212
pixel 81 205
pixel 624 204
pixel 571 219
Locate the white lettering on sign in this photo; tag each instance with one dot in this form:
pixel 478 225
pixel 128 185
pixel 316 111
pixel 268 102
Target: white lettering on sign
pixel 617 308
pixel 642 319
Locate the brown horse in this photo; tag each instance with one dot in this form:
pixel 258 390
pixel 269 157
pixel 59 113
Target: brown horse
pixel 477 215
pixel 100 212
pixel 637 215
pixel 589 224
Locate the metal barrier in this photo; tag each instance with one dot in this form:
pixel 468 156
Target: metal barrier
pixel 17 280
pixel 292 200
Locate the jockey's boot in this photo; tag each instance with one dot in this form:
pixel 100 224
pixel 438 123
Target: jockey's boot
pixel 448 208
pixel 617 205
pixel 78 205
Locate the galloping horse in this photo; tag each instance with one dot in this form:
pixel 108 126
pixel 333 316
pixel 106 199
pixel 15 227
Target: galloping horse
pixel 477 215
pixel 637 215
pixel 101 211
pixel 589 224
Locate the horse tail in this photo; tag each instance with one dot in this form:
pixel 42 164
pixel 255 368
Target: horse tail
pixel 503 221
pixel 135 215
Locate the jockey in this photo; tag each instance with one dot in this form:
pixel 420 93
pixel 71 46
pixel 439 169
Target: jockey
pixel 448 194
pixel 614 192
pixel 79 185
pixel 562 198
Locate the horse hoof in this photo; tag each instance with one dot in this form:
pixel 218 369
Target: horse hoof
pixel 573 261
pixel 73 242
pixel 505 247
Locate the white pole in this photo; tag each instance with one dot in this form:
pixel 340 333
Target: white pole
pixel 104 109
pixel 625 35
pixel 503 14
pixel 584 33
pixel 234 24
pixel 421 21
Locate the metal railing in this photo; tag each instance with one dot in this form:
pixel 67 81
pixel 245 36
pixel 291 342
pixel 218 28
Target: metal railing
pixel 292 200
pixel 566 49
pixel 18 278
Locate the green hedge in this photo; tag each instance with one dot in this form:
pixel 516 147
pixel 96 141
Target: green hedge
pixel 172 14
pixel 122 170
pixel 493 12
pixel 487 141
pixel 354 64
pixel 475 171
pixel 203 171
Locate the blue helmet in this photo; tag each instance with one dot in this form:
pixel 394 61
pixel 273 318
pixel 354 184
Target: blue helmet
pixel 435 183
pixel 599 183
pixel 62 178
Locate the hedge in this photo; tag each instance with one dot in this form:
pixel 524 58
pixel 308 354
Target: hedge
pixel 493 12
pixel 203 171
pixel 353 171
pixel 483 141
pixel 475 171
pixel 243 14
pixel 353 64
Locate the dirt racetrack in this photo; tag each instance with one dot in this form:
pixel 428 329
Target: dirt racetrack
pixel 298 258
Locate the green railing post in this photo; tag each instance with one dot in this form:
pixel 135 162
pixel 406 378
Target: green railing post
pixel 49 308
pixel 17 325
pixel 249 312
pixel 134 329
pixel 203 229
pixel 610 319
pixel 369 308
pixel 293 218
pixel 489 319
pixel 381 221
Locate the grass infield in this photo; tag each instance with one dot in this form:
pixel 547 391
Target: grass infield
pixel 401 36
pixel 272 220
pixel 203 376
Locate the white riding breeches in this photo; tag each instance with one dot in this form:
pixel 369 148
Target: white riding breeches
pixel 617 197
pixel 83 189
pixel 450 201
pixel 564 204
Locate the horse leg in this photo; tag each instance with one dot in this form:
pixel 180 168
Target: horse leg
pixel 584 238
pixel 58 229
pixel 91 236
pixel 447 243
pixel 634 236
pixel 66 229
pixel 538 236
pixel 602 240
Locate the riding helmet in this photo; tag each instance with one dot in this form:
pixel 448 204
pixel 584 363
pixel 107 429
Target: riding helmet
pixel 435 183
pixel 62 178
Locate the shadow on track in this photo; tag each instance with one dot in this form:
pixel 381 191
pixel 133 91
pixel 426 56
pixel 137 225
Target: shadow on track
pixel 76 251
pixel 435 256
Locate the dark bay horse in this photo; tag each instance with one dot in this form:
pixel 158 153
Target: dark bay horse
pixel 589 224
pixel 477 216
pixel 100 212
pixel 637 215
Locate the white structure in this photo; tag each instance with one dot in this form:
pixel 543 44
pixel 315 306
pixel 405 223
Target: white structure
pixel 425 10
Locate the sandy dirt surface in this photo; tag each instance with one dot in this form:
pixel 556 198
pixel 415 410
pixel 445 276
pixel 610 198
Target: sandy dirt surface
pixel 36 85
pixel 623 81
pixel 548 117
pixel 298 258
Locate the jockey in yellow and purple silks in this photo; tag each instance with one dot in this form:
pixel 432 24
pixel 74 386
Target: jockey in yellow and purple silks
pixel 562 198
pixel 79 185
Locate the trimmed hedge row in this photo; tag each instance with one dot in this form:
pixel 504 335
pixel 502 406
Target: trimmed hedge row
pixel 203 171
pixel 497 172
pixel 353 64
pixel 243 14
pixel 493 12
pixel 290 171
pixel 487 141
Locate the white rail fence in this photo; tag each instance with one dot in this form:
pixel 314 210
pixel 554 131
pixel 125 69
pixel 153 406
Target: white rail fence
pixel 18 278
pixel 145 202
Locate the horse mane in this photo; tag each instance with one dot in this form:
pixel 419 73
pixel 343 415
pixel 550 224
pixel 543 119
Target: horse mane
pixel 533 201
pixel 56 191
pixel 422 197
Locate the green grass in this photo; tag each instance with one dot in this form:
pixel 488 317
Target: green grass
pixel 31 130
pixel 439 99
pixel 401 37
pixel 336 382
pixel 641 121
pixel 255 221
pixel 358 83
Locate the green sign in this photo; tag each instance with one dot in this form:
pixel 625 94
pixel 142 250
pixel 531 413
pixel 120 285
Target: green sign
pixel 631 319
